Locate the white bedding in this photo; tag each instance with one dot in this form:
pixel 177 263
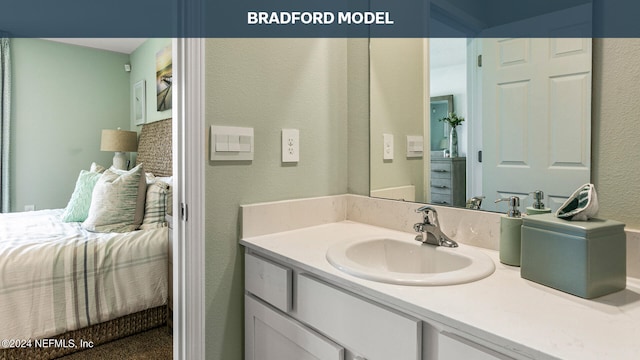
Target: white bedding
pixel 57 277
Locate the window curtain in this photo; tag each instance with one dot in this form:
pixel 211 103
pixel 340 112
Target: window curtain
pixel 5 102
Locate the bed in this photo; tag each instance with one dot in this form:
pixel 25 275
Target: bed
pixel 58 280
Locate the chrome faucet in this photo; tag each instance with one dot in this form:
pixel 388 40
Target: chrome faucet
pixel 429 229
pixel 475 202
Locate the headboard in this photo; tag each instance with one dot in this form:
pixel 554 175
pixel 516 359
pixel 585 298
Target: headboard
pixel 154 148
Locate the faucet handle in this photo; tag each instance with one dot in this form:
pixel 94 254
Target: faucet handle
pixel 475 202
pixel 426 210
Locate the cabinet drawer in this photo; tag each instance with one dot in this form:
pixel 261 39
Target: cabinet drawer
pixel 440 170
pixel 441 199
pixel 369 330
pixel 441 186
pixel 453 347
pixel 269 281
pixel 440 175
pixel 270 335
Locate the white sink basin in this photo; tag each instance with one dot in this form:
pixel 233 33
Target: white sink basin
pixel 409 262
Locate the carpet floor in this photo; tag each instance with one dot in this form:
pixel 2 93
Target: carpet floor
pixel 153 344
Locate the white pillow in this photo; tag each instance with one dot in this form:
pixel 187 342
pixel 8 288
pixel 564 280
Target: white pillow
pixel 165 179
pixel 97 168
pixel 155 207
pixel 117 203
pixel 152 179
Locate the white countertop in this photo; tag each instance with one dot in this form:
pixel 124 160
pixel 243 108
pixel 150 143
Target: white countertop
pixel 503 309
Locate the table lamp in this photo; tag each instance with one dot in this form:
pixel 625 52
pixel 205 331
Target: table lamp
pixel 120 141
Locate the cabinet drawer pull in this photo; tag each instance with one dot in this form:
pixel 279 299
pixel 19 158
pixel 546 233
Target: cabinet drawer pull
pixel 441 170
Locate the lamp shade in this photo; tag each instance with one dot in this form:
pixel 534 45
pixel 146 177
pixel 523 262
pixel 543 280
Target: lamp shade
pixel 119 140
pixel 444 143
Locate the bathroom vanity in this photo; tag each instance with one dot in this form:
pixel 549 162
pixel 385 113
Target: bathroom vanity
pixel 299 306
pixel 294 310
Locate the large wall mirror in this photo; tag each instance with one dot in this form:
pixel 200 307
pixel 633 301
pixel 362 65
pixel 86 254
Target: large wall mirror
pixel 527 109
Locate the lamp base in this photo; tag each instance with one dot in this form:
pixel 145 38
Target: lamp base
pixel 120 160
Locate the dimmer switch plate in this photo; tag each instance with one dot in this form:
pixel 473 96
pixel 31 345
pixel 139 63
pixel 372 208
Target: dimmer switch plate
pixel 290 145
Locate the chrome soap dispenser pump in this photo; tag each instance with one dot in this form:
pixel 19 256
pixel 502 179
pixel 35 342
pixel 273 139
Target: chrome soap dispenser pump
pixel 538 206
pixel 510 232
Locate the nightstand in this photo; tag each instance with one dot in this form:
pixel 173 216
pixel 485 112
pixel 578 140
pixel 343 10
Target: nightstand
pixel 448 181
pixel 169 219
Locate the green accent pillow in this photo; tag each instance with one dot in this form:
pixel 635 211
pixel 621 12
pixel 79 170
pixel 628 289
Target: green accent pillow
pixel 77 209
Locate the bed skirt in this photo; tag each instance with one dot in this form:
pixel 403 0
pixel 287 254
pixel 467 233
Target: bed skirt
pixel 77 340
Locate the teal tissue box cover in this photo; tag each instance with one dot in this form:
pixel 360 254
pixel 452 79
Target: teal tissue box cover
pixel 583 258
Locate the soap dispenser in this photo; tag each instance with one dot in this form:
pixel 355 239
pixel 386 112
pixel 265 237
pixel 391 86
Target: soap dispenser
pixel 538 205
pixel 510 232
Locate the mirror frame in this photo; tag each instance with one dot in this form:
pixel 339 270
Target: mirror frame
pixel 448 99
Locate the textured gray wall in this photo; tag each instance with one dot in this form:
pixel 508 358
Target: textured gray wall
pixel 616 129
pixel 267 84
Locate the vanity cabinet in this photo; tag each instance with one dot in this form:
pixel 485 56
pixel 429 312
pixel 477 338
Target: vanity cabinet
pixel 448 181
pixel 293 314
pixel 358 328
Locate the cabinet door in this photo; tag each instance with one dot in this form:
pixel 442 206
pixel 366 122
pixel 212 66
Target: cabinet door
pixel 270 335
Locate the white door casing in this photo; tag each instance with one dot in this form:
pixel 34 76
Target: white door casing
pixel 188 199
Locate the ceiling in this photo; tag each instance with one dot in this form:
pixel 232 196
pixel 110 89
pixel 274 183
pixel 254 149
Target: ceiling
pixel 445 52
pixel 121 45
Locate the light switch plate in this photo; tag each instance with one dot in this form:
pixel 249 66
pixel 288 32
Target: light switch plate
pixel 387 146
pixel 229 143
pixel 415 146
pixel 290 145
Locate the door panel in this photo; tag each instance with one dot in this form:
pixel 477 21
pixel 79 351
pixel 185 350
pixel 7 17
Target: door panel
pixel 536 118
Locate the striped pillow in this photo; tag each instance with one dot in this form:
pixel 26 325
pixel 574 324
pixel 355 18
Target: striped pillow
pixel 115 204
pixel 155 207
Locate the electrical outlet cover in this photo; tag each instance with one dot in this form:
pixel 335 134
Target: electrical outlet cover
pixel 290 145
